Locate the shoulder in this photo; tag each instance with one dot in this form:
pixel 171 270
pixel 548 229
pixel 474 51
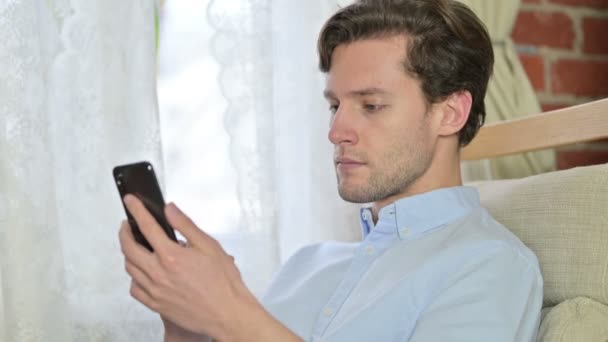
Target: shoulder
pixel 482 249
pixel 481 234
pixel 474 246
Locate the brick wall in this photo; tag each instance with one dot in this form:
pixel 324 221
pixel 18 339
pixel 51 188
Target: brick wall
pixel 563 46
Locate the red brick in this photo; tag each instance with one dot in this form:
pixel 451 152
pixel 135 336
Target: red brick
pixel 552 29
pixel 583 78
pixel 595 35
pixel 568 159
pixel 583 3
pixel 547 107
pixel 535 69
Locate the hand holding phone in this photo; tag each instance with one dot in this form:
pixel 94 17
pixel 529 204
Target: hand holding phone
pixel 140 180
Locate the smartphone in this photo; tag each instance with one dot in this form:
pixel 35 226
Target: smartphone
pixel 140 180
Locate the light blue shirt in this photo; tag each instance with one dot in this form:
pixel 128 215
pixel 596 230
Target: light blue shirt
pixel 435 267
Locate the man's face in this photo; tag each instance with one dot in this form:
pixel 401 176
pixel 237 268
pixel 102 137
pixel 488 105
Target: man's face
pixel 379 123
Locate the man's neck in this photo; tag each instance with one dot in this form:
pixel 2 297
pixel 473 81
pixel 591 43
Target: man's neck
pixel 443 173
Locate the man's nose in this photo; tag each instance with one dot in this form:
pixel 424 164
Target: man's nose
pixel 342 127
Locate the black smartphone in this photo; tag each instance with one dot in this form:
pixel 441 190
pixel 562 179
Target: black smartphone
pixel 140 180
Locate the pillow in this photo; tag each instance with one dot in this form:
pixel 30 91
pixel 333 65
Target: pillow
pixel 575 320
pixel 563 217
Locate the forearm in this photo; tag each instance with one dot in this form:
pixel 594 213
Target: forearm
pixel 175 333
pixel 255 324
pixel 268 329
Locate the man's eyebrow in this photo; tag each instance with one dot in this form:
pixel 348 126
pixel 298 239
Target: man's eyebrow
pixel 328 94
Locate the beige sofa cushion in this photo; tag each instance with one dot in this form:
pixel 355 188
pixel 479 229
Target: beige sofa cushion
pixel 563 217
pixel 575 320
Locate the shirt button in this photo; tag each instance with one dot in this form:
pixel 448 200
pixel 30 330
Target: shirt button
pixel 369 250
pixel 328 312
pixel 405 231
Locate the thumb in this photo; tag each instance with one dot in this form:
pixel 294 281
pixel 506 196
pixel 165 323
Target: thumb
pixel 183 224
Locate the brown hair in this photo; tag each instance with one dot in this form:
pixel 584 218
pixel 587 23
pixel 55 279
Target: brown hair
pixel 449 48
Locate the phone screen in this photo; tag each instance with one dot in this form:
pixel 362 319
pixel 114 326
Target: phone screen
pixel 140 180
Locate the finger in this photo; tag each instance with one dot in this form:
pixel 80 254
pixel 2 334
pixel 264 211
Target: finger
pixel 147 224
pixel 128 245
pixel 133 251
pixel 195 237
pixel 139 276
pixel 140 294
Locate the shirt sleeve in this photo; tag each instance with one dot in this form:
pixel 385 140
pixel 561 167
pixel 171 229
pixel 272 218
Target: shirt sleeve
pixel 497 298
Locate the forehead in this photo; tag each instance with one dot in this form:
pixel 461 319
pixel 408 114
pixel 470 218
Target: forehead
pixel 368 63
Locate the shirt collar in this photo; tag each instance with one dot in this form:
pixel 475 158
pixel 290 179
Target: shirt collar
pixel 414 215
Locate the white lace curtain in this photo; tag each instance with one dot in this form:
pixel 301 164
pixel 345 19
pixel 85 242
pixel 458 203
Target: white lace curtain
pixel 77 96
pixel 277 121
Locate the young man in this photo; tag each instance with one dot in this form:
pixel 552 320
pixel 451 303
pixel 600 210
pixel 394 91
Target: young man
pixel 406 81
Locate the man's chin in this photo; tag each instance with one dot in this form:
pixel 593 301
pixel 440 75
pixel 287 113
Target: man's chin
pixel 351 196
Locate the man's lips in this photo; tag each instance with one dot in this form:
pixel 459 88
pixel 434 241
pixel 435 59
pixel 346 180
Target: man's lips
pixel 347 161
pixel 344 164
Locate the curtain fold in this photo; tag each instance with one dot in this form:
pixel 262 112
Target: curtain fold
pixel 278 123
pixel 310 209
pixel 242 45
pixel 510 94
pixel 77 98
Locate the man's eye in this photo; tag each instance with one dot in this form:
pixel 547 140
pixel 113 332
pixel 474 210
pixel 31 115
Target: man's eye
pixel 333 109
pixel 372 107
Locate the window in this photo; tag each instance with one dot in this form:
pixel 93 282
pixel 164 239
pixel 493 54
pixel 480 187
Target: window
pixel 198 173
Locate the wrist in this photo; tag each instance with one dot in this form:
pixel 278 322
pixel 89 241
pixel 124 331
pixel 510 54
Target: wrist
pixel 253 323
pixel 174 333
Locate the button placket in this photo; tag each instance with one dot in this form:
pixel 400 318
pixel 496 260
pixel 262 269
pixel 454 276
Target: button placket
pixel 359 266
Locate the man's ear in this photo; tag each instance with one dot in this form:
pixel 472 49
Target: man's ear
pixel 456 110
